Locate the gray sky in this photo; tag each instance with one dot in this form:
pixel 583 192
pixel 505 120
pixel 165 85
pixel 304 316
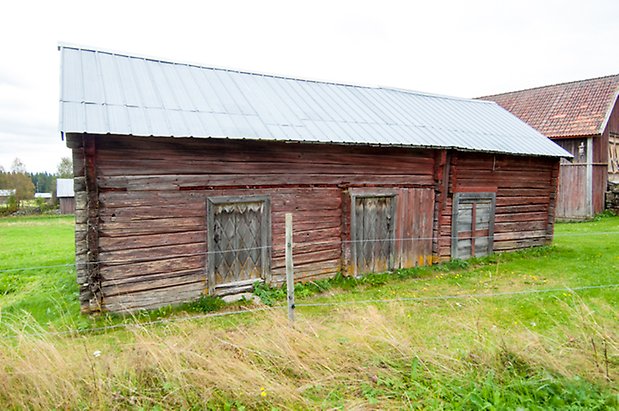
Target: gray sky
pixel 454 47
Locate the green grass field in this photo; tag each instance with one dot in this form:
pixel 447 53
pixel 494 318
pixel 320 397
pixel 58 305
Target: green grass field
pixel 497 346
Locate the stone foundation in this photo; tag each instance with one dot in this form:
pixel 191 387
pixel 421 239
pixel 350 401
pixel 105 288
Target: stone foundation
pixel 612 197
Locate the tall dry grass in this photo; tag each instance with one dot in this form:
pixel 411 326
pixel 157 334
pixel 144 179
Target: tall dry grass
pixel 324 360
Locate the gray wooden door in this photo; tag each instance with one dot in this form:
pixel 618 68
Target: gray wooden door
pixel 238 245
pixel 572 193
pixel 473 225
pixel 373 234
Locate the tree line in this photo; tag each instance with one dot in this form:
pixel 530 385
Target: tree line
pixel 26 184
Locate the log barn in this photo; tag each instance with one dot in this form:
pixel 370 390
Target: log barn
pixel 65 195
pixel 184 174
pixel 583 118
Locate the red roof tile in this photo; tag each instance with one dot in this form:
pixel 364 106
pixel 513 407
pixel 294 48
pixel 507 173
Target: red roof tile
pixel 579 108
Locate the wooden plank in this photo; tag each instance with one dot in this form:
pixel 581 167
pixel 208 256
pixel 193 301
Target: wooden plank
pixel 504 200
pixel 515 226
pixel 195 209
pixel 126 228
pixel 519 244
pixel 151 240
pixel 520 235
pixel 153 282
pixel 298 199
pixel 153 298
pixel 518 209
pixel 304 271
pixel 205 181
pixel 540 216
pixel 330 254
pixel 129 255
pixel 153 266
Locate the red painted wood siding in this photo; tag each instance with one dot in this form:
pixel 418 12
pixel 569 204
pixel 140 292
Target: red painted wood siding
pixel 152 196
pixel 525 198
pixel 152 207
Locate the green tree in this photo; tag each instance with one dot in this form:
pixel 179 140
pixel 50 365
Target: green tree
pixel 24 189
pixel 65 168
pixel 21 182
pixel 43 181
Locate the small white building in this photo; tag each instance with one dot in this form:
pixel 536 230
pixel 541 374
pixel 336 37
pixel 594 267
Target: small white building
pixel 5 194
pixel 65 195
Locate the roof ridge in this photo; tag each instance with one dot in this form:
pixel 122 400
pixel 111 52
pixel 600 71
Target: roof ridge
pixel 254 73
pixel 436 95
pixel 549 85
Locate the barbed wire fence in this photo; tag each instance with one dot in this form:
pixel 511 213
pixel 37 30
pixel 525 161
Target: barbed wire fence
pixel 246 311
pixel 281 307
pixel 271 247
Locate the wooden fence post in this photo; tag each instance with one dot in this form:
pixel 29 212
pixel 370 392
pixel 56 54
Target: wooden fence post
pixel 289 268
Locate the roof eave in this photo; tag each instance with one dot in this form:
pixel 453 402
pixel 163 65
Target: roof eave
pixel 565 153
pixel 609 112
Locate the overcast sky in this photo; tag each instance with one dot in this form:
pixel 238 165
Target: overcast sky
pixel 462 48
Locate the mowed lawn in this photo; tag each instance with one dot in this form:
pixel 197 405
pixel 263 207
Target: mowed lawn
pixel 385 341
pixel 37 275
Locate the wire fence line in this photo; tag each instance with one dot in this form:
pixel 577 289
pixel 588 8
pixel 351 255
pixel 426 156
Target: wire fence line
pixel 270 247
pixel 339 241
pixel 138 325
pixel 461 296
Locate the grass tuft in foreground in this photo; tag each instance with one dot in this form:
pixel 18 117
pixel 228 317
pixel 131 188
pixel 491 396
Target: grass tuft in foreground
pixel 395 356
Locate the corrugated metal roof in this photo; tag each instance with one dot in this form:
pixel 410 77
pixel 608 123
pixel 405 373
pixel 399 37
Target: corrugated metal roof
pixel 109 93
pixel 64 187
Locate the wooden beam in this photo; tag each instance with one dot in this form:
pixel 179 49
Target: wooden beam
pixel 552 203
pixel 589 184
pixel 93 275
pixel 441 186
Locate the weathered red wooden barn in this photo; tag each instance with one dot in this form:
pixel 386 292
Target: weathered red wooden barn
pixel 583 118
pixel 183 176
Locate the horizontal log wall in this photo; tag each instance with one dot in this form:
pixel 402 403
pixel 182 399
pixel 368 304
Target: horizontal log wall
pixel 152 192
pixel 525 197
pixel 152 208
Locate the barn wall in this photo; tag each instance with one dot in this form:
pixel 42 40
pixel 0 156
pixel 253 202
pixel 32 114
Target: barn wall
pixel 600 172
pixel 573 186
pixel 525 198
pixel 67 205
pixel 144 222
pixel 152 197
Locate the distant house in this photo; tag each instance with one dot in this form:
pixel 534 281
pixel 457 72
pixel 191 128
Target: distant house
pixel 5 194
pixel 65 195
pixel 45 196
pixel 184 175
pixel 583 118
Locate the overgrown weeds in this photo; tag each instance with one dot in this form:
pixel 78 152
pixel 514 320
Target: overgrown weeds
pixel 396 356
